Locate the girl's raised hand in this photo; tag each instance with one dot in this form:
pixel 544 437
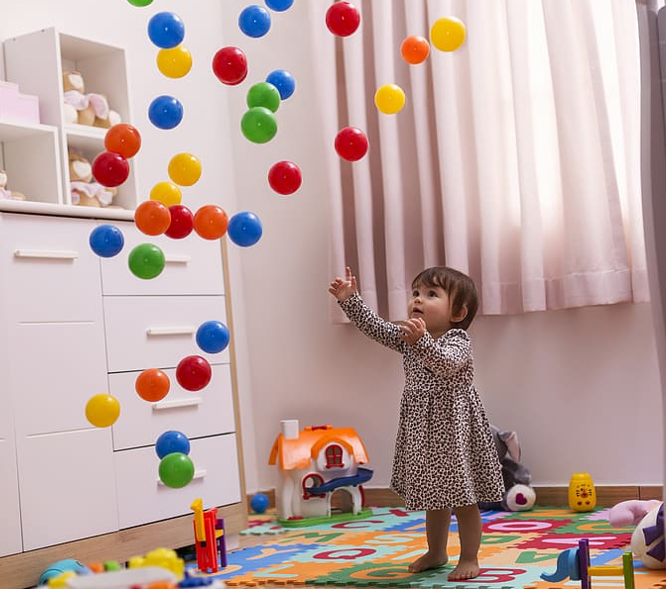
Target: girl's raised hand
pixel 341 289
pixel 411 330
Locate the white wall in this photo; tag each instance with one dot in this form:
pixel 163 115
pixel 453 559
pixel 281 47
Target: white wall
pixel 580 386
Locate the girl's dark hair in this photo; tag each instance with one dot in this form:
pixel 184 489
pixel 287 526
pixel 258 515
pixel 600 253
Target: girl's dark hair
pixel 457 285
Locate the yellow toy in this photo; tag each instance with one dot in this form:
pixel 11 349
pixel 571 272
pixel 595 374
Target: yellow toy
pixel 582 495
pixel 166 558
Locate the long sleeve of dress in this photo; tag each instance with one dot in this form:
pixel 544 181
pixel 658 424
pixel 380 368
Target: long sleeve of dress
pixel 371 324
pixel 446 356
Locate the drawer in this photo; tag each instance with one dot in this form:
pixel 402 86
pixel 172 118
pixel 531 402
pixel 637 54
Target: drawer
pixel 193 267
pixel 196 414
pixel 55 276
pixel 157 332
pixel 67 486
pixel 143 499
pixel 55 369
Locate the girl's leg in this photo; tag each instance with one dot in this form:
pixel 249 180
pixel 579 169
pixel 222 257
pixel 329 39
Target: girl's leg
pixel 469 530
pixel 437 533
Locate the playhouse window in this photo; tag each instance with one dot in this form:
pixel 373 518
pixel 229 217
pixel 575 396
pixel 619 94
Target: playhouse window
pixel 312 480
pixel 334 457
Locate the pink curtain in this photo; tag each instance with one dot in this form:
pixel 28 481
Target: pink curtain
pixel 515 159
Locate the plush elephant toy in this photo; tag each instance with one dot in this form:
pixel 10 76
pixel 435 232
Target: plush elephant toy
pixel 518 495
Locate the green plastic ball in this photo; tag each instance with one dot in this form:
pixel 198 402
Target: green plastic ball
pixel 264 94
pixel 259 125
pixel 140 2
pixel 176 470
pixel 146 261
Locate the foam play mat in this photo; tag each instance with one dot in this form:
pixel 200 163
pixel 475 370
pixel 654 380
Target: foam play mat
pixel 375 552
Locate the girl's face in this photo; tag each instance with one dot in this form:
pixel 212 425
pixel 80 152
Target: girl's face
pixel 433 305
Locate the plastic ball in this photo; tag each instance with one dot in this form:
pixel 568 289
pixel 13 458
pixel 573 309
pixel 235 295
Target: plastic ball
pixel 182 222
pixel 210 222
pixel 172 441
pixel 263 94
pixel 184 169
pixel 213 337
pixel 102 410
pixel 230 65
pixel 254 21
pixel 390 99
pixel 165 112
pixel 193 373
pixel 285 177
pixel 106 241
pixel 123 139
pixel 279 5
pixel 176 470
pixel 448 33
pixel 152 218
pixel 175 62
pixel 415 49
pixel 110 169
pixel 244 229
pixel 140 2
pixel 152 385
pixel 351 144
pixel 260 503
pixel 342 19
pixel 166 30
pixel 146 261
pixel 166 193
pixel 283 81
pixel 259 125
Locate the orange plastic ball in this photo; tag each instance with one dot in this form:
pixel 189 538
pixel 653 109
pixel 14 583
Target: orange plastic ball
pixel 415 49
pixel 123 139
pixel 210 222
pixel 152 218
pixel 152 385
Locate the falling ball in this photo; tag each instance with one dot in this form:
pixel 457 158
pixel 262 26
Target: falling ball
pixel 448 33
pixel 184 169
pixel 166 30
pixel 166 193
pixel 152 218
pixel 284 177
pixel 244 229
pixel 102 410
pixel 283 81
pixel 263 94
pixel 230 65
pixel 415 49
pixel 351 144
pixel 110 169
pixel 176 470
pixel 182 222
pixel 123 139
pixel 140 2
pixel 259 125
pixel 106 241
pixel 390 99
pixel 165 112
pixel 254 21
pixel 213 337
pixel 175 62
pixel 152 385
pixel 279 5
pixel 172 441
pixel 210 222
pixel 193 373
pixel 146 261
pixel 342 19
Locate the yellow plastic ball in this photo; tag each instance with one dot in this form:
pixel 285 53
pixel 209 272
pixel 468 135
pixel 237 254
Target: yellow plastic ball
pixel 184 169
pixel 102 410
pixel 390 99
pixel 166 193
pixel 448 33
pixel 175 62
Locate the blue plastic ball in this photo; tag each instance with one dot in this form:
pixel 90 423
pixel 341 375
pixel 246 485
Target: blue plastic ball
pixel 259 503
pixel 212 337
pixel 165 112
pixel 172 441
pixel 166 30
pixel 279 5
pixel 283 81
pixel 106 240
pixel 244 229
pixel 254 21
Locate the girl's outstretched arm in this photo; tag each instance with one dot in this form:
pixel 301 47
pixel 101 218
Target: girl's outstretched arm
pixel 444 358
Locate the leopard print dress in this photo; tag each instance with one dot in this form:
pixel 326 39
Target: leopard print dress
pixel 444 452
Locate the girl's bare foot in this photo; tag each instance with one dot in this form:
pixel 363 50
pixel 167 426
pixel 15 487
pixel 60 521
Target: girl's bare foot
pixel 429 561
pixel 465 570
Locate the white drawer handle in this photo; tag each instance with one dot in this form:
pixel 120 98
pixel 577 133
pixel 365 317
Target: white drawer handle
pixel 170 331
pixel 177 258
pixel 178 403
pixel 199 474
pixel 55 254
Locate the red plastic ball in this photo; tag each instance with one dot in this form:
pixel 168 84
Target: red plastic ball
pixel 193 373
pixel 110 169
pixel 342 19
pixel 230 65
pixel 285 177
pixel 182 222
pixel 123 139
pixel 351 144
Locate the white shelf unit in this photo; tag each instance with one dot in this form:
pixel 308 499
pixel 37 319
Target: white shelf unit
pixel 36 62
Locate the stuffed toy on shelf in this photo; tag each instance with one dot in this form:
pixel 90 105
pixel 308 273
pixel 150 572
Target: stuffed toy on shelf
pixel 86 108
pixel 84 189
pixel 6 193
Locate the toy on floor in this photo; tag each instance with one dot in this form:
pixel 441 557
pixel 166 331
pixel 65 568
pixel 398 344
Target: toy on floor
pixel 312 465
pixel 575 565
pixel 647 540
pixel 208 538
pixel 62 566
pixel 259 503
pixel 582 494
pixel 518 495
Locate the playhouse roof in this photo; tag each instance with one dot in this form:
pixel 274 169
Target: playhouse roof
pixel 296 453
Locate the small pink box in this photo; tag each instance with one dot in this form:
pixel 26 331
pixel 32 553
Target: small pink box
pixel 15 106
